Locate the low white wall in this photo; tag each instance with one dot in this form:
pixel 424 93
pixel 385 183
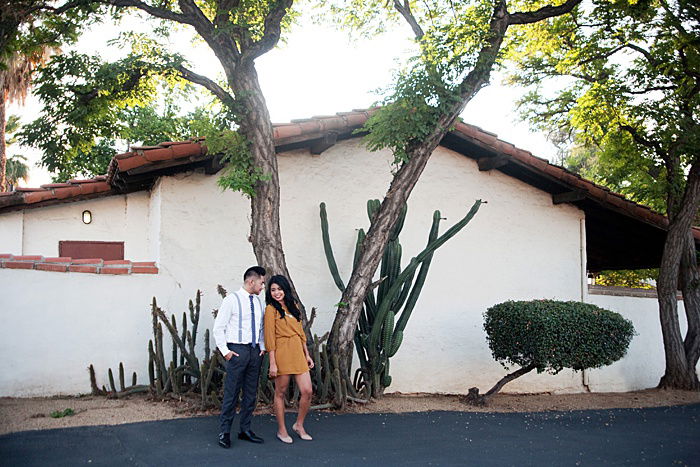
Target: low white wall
pixel 644 364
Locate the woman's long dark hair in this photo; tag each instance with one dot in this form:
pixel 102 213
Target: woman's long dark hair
pixel 288 299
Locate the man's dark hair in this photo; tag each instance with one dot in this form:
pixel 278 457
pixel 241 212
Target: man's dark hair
pixel 254 271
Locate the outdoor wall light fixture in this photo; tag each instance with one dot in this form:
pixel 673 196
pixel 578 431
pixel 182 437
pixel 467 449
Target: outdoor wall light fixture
pixel 87 217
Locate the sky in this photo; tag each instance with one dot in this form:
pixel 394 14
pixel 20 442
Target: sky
pixel 318 71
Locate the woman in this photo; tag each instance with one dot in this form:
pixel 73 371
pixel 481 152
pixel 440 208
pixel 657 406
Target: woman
pixel 285 341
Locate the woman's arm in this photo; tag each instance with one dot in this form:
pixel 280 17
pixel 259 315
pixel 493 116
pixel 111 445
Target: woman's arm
pixel 273 364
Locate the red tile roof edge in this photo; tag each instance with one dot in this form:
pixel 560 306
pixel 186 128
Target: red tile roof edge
pixel 314 127
pixel 67 264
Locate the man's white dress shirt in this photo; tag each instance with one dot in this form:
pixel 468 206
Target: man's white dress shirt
pixel 233 321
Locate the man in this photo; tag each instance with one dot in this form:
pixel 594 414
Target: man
pixel 238 333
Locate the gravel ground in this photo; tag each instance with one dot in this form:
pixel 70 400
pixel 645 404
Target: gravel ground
pixel 22 414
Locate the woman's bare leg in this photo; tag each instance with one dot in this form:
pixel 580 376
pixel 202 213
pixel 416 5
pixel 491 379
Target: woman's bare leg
pixel 281 385
pixel 306 390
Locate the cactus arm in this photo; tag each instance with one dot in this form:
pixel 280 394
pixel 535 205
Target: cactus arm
pixel 420 280
pixel 328 249
pixel 399 223
pixel 194 316
pixel 358 246
pixel 415 262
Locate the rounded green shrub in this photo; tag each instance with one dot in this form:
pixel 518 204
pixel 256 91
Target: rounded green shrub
pixel 552 335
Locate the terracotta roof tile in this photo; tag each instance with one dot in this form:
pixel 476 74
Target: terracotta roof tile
pixel 132 162
pixel 313 128
pixel 37 196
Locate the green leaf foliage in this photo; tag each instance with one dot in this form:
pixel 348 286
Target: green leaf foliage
pixel 554 335
pixel 636 279
pixel 618 79
pixel 89 105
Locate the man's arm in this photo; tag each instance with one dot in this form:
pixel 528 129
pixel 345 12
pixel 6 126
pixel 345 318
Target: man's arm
pixel 219 331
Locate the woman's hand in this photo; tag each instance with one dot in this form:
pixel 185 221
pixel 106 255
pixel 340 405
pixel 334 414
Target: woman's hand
pixel 309 361
pixel 273 370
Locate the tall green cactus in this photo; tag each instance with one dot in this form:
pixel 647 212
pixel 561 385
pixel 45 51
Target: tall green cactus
pixel 379 333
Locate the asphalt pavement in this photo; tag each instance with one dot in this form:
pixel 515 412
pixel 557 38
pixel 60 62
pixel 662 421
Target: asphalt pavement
pixel 655 436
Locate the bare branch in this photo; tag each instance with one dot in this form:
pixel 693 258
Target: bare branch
pixel 214 88
pixel 273 31
pixel 652 88
pixel 603 55
pixel 158 12
pixel 644 141
pixel 405 10
pixel 543 13
pixel 644 52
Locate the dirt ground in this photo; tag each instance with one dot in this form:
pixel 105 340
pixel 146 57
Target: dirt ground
pixel 21 414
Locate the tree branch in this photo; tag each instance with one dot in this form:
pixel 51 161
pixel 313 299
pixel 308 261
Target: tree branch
pixel 405 10
pixel 214 88
pixel 652 61
pixel 273 31
pixel 543 13
pixel 644 141
pixel 158 12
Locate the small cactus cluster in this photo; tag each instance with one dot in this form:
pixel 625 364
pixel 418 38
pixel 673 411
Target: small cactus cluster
pixel 388 307
pixel 183 373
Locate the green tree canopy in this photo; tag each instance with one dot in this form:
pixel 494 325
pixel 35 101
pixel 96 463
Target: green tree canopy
pixel 621 78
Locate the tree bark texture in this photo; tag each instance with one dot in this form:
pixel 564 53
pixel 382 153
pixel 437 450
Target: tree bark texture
pixel 405 179
pixel 256 126
pixel 676 262
pixel 236 50
pixel 3 147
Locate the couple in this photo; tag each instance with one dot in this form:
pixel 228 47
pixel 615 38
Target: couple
pixel 243 335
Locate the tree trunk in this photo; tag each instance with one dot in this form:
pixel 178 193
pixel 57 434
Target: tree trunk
pixel 690 287
pixel 3 147
pixel 403 182
pixel 680 370
pixel 474 398
pixel 255 124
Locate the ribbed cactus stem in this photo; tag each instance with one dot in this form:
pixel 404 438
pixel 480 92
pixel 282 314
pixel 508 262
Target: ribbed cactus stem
pixel 173 324
pixel 207 349
pixel 184 336
pixel 151 364
pixel 111 380
pixel 388 330
pixel 328 249
pixel 160 358
pixel 121 376
pixel 194 316
pixel 395 343
pixel 191 360
pixel 416 261
pixel 422 274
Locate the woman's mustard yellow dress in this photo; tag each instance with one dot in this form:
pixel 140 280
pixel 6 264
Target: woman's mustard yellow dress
pixel 286 337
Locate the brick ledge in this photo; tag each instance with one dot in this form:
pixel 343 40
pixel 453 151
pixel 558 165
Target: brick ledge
pixel 65 264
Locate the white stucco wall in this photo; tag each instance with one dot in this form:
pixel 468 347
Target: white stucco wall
pixel 56 324
pixel 644 364
pixel 519 246
pixel 11 231
pixel 114 218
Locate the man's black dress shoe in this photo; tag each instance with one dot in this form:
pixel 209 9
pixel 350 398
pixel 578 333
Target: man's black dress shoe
pixel 225 440
pixel 250 436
